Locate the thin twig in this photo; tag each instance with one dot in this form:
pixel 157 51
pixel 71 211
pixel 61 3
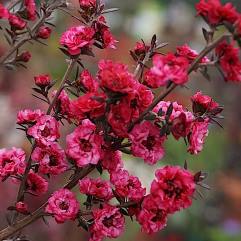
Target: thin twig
pixel 66 76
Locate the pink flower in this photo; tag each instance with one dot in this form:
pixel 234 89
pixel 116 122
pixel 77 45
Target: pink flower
pixel 3 12
pixel 98 188
pixel 11 162
pixel 127 186
pixel 28 116
pixel 45 130
pixel 16 22
pixel 92 104
pixel 36 184
pixel 44 32
pixel 152 216
pixel 42 80
pixel 190 54
pixel 167 68
pixel 215 13
pixel 21 207
pixel 180 119
pixel 77 38
pixel 108 223
pixel 147 142
pixel 204 104
pixel 199 131
pixel 30 9
pixel 63 205
pixel 51 159
pixel 83 145
pixel 174 186
pixel 111 160
pixel 103 34
pixel 115 77
pixel 90 84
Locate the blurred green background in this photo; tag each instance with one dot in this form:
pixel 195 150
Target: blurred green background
pixel 216 216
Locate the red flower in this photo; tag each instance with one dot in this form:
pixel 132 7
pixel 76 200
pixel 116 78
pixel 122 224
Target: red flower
pixel 42 80
pixel 181 125
pixel 103 34
pixel 92 104
pixel 83 145
pixel 87 3
pixel 36 184
pixel 204 104
pixel 90 84
pixel 97 188
pixel 215 13
pixel 108 223
pixel 11 162
pixel 119 118
pixel 45 130
pixel 152 215
pixel 51 159
pixel 30 9
pixel 16 22
pixel 141 49
pixel 115 77
pixel 174 186
pixel 167 68
pixel 63 205
pixel 127 186
pixel 44 32
pixel 3 12
pixel 21 207
pixel 147 142
pixel 77 38
pixel 111 160
pixel 229 61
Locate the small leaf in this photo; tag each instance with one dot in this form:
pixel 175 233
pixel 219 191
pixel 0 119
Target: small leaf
pixel 110 10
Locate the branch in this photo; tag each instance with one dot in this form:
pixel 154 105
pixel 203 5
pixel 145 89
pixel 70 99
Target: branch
pixel 66 76
pixel 10 230
pixel 46 14
pixel 12 4
pixel 192 67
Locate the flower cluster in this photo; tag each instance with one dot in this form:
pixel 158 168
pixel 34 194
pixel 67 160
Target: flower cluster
pixel 112 112
pixel 215 13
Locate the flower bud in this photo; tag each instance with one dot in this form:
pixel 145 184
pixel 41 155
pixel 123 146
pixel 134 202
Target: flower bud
pixel 44 32
pixel 21 207
pixel 24 56
pixel 42 80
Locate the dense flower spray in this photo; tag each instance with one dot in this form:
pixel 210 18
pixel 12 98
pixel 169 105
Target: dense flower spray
pixel 115 111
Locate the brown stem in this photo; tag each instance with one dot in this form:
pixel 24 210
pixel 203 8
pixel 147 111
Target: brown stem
pixel 10 230
pixel 22 187
pixel 66 76
pixel 30 34
pixel 141 64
